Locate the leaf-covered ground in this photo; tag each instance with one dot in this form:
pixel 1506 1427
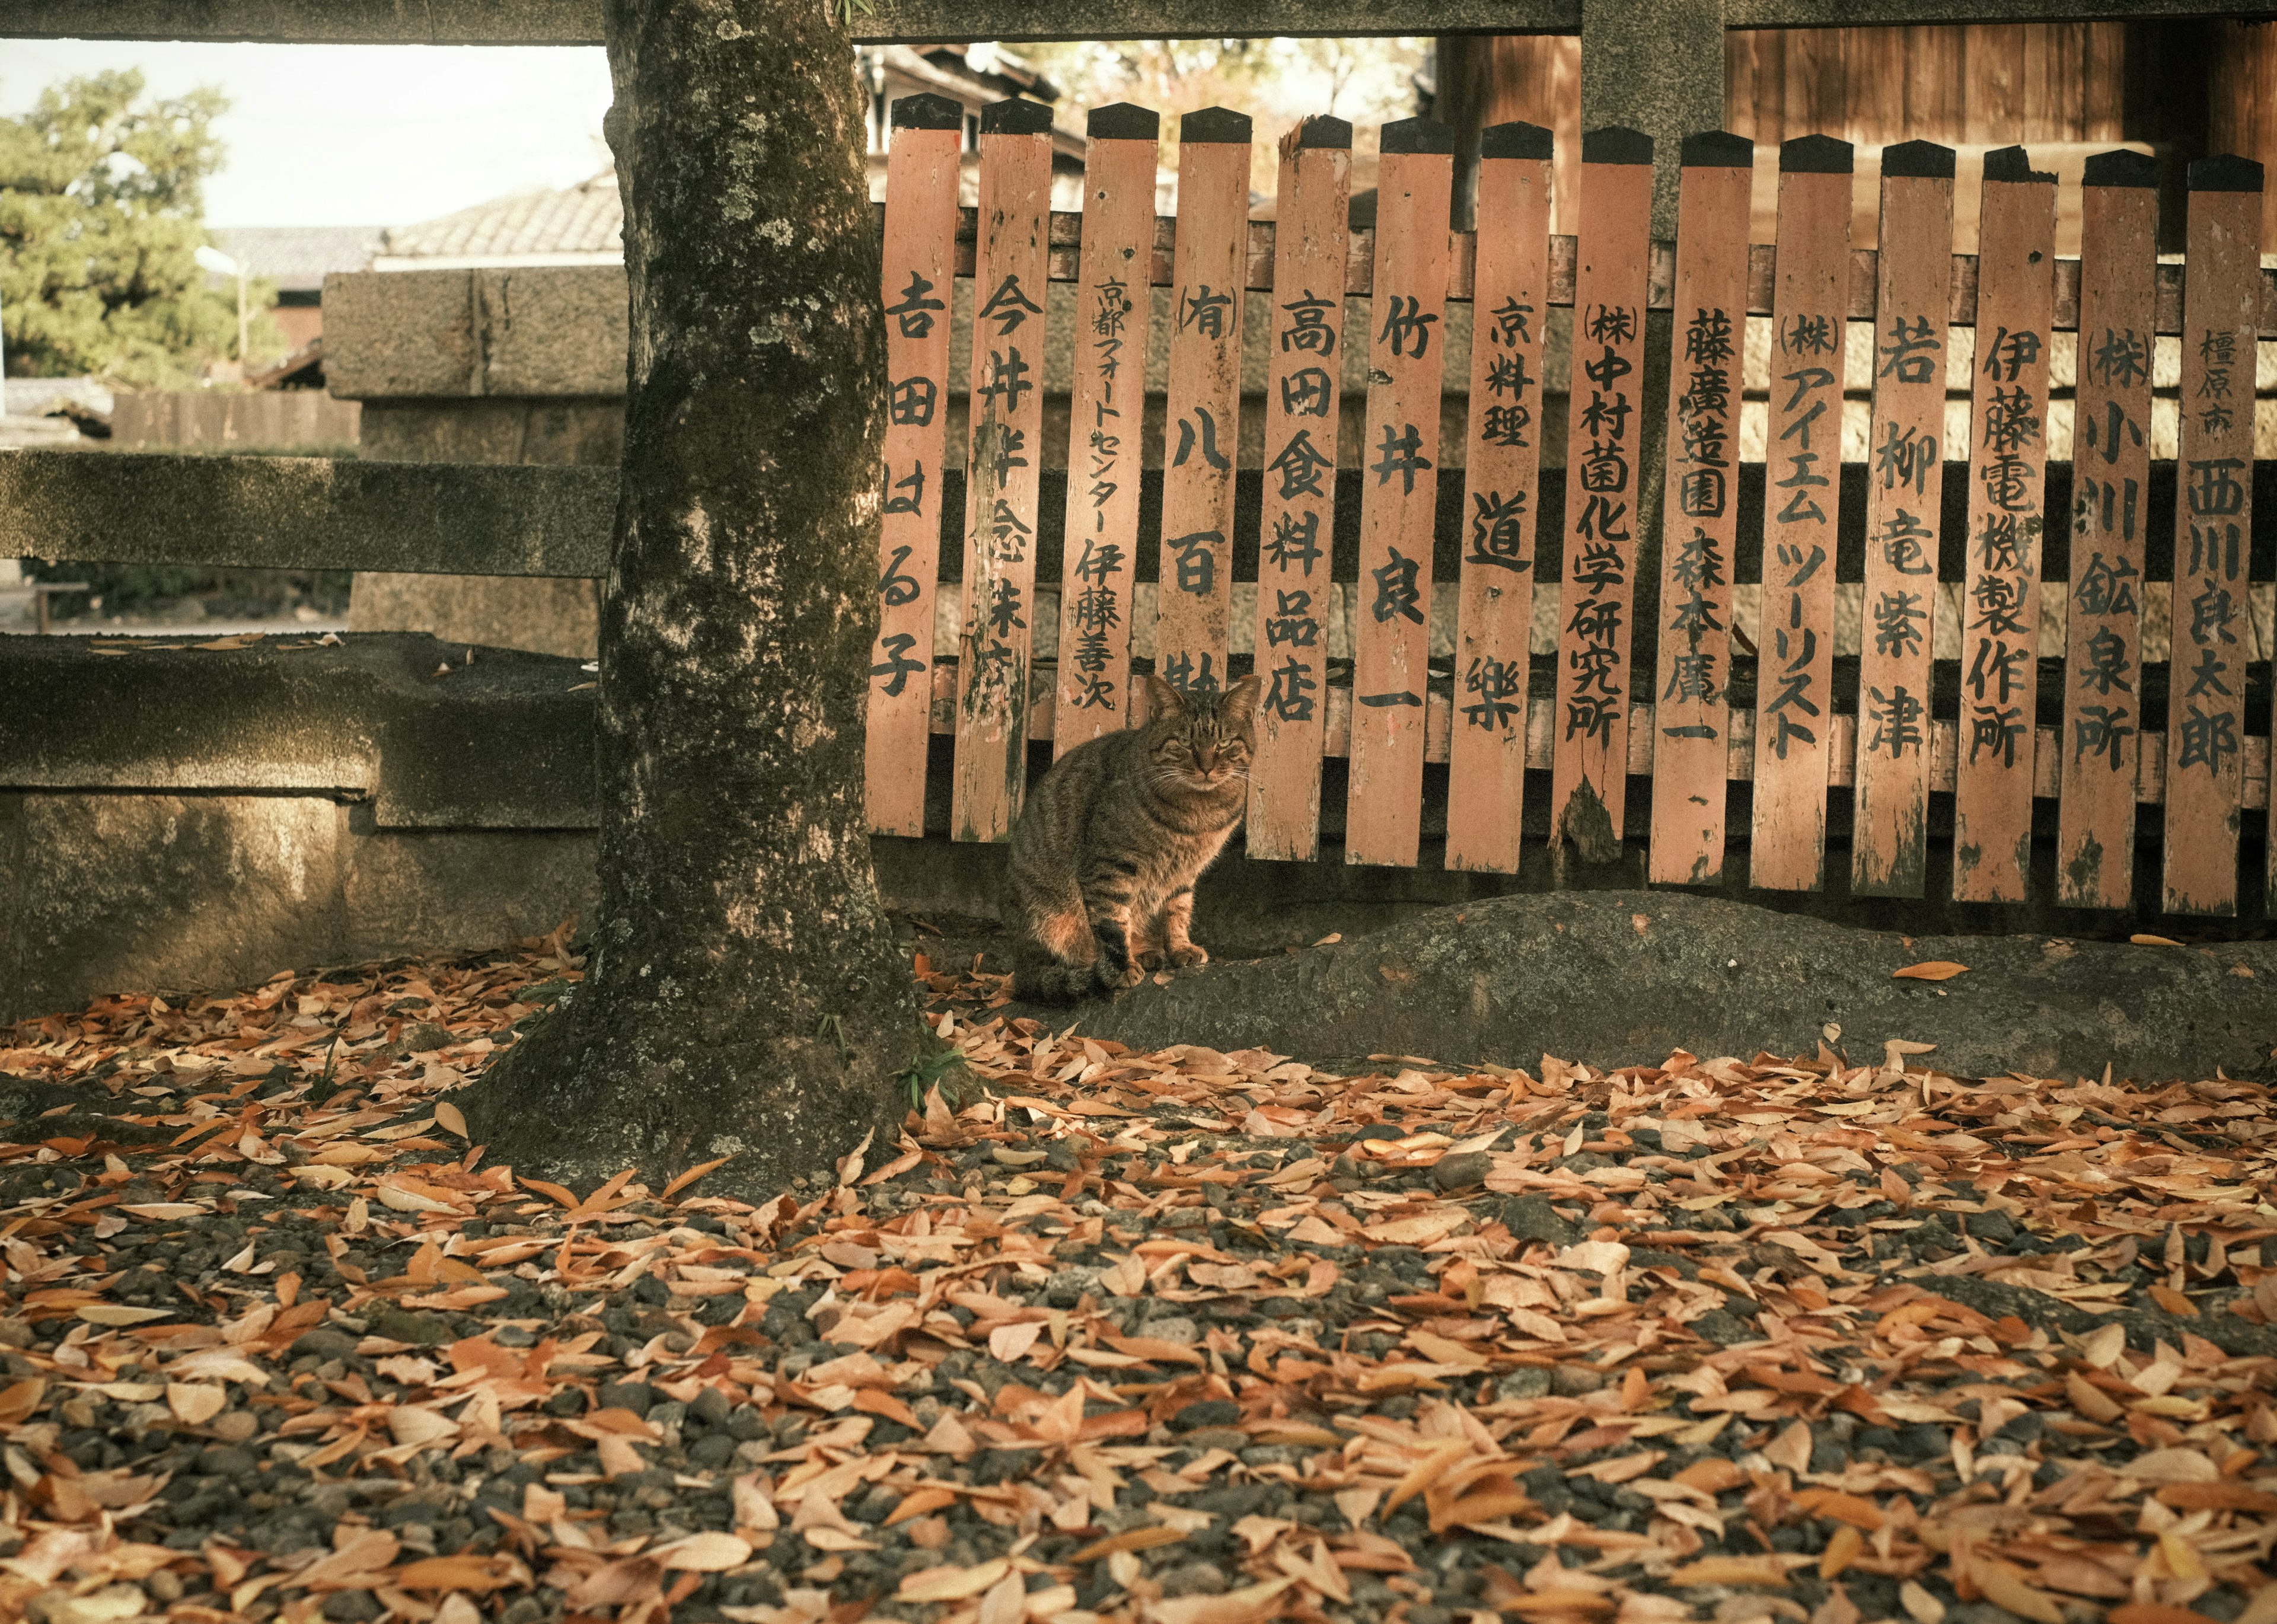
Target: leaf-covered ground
pixel 1187 1337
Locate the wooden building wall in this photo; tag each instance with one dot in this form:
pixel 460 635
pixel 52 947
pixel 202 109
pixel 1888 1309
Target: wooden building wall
pixel 2183 88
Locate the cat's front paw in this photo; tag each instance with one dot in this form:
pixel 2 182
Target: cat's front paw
pixel 1189 956
pixel 1152 958
pixel 1123 980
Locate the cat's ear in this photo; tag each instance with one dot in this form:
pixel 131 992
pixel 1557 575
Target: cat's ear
pixel 1241 700
pixel 1162 700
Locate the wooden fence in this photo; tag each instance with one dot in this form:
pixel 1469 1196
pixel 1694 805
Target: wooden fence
pixel 1678 699
pixel 266 417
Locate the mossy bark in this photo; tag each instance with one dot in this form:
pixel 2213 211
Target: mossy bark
pixel 744 997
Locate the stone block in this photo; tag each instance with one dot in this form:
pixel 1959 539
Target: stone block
pixel 460 890
pixel 402 722
pixel 540 617
pixel 541 331
pixel 111 893
pixel 552 329
pixel 557 433
pixel 402 333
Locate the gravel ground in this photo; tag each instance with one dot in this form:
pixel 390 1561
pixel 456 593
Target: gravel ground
pixel 1187 1337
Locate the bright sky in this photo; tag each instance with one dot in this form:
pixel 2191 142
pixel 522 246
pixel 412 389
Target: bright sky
pixel 361 134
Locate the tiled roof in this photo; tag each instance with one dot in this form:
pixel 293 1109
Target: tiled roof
pixel 296 257
pixel 584 220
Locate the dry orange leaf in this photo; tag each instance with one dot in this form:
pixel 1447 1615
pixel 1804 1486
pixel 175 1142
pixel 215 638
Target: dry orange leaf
pixel 2003 1587
pixel 1131 1539
pixel 952 1583
pixel 2173 1302
pixel 917 1502
pixel 456 1573
pixel 1929 970
pixel 1730 1570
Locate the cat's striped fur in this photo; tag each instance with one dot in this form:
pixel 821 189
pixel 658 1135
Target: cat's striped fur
pixel 1106 854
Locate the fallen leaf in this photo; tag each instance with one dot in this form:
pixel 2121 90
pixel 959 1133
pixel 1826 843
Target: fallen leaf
pixel 1929 970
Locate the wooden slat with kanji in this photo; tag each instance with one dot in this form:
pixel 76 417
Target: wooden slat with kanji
pixel 1692 751
pixel 2213 526
pixel 1486 774
pixel 2008 465
pixel 1303 353
pixel 1905 487
pixel 1209 261
pixel 2100 739
pixel 1112 311
pixel 1399 488
pixel 1001 471
pixel 1802 486
pixel 920 257
pixel 1589 778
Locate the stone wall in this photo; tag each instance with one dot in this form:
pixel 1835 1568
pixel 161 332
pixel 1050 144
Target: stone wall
pixel 500 366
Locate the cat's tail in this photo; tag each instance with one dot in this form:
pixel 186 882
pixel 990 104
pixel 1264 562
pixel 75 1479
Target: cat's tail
pixel 1049 981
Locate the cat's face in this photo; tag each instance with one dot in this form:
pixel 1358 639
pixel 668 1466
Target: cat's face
pixel 1200 741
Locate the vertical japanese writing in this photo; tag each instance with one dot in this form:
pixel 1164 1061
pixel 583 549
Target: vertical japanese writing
pixel 995 608
pixel 1594 693
pixel 2106 486
pixel 1589 723
pixel 1699 512
pixel 1999 608
pixel 1997 629
pixel 1905 489
pixel 1190 640
pixel 1002 455
pixel 1398 492
pixel 1793 702
pixel 1486 751
pixel 1699 568
pixel 2214 476
pixel 921 168
pixel 1300 494
pixel 1802 493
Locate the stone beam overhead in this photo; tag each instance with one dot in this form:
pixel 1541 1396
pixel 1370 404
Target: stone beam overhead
pixel 578 22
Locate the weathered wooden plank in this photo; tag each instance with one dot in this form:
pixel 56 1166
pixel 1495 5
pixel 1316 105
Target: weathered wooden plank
pixel 1103 435
pixel 1904 495
pixel 1000 509
pixel 921 177
pixel 1702 512
pixel 1204 402
pixel 2149 778
pixel 1303 357
pixel 1589 782
pixel 1486 781
pixel 2111 472
pixel 1795 703
pixel 1992 799
pixel 2212 638
pixel 1383 819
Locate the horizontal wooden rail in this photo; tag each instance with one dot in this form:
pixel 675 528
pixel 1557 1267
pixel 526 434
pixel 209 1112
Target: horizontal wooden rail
pixel 469 518
pixel 1066 240
pixel 2150 781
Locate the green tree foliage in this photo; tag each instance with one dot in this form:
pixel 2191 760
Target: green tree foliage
pixel 100 212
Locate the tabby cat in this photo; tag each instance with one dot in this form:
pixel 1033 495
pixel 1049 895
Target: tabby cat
pixel 1105 857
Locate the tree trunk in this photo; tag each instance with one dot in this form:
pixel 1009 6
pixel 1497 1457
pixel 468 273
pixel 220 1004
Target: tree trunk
pixel 744 997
